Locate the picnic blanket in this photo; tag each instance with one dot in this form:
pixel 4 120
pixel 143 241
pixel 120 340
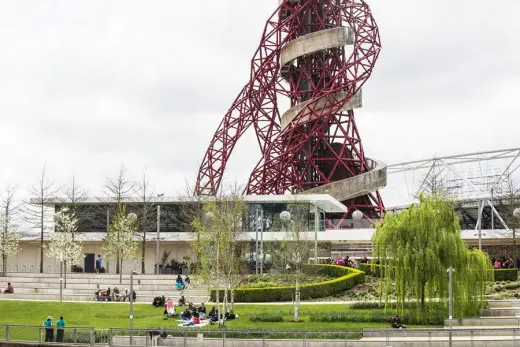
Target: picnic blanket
pixel 203 323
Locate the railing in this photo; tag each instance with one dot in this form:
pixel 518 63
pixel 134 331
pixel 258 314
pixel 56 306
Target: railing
pixel 188 336
pixel 70 336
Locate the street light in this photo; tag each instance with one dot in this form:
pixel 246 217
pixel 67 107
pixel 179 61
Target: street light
pixel 61 277
pixel 285 216
pixel 157 239
pixel 357 215
pixel 450 271
pixel 131 298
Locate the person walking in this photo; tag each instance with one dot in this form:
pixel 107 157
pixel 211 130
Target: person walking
pixel 61 329
pixel 99 262
pixel 49 329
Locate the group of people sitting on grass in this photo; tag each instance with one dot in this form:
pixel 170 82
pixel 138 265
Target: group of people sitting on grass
pixel 181 283
pixel 115 295
pixel 192 315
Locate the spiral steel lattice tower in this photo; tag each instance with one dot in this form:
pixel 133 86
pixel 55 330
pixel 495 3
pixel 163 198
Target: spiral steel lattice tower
pixel 318 54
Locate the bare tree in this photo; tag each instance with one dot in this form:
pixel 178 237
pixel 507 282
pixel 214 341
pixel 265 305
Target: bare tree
pixel 120 188
pixel 146 206
pixel 117 190
pixel 38 213
pixel 74 194
pixel 9 208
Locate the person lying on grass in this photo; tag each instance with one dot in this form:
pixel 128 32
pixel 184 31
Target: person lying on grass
pixel 396 323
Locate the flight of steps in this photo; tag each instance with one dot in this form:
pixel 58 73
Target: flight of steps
pixel 498 325
pixel 81 287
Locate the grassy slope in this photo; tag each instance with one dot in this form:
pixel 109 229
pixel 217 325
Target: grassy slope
pixel 106 315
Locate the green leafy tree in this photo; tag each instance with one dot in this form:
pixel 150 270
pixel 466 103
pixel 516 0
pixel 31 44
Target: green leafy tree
pixel 296 247
pixel 9 236
pixel 417 246
pixel 119 243
pixel 218 244
pixel 63 245
pixel 9 240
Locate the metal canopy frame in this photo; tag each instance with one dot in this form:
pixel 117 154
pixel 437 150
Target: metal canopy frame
pixel 447 163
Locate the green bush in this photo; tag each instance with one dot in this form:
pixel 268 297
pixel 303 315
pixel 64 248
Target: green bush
pixel 514 285
pixel 510 275
pixel 263 318
pixel 370 269
pixel 345 278
pixel 434 317
pixel 366 305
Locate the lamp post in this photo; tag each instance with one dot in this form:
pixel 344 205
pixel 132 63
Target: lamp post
pixel 450 271
pixel 316 229
pixel 262 226
pixel 357 215
pixel 131 298
pixel 61 277
pixel 157 239
pixel 256 241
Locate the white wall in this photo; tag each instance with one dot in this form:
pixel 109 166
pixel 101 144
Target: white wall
pixel 28 259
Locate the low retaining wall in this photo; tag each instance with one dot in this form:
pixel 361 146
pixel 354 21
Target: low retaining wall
pixel 505 341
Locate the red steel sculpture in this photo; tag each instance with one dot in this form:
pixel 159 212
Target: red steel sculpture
pixel 317 54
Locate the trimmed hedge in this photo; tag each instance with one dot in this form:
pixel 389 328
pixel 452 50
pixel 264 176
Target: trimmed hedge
pixel 346 278
pixel 506 274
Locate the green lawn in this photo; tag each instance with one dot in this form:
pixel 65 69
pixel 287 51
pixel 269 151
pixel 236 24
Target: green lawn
pixel 108 315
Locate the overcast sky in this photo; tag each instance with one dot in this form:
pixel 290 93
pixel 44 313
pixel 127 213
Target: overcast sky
pixel 86 86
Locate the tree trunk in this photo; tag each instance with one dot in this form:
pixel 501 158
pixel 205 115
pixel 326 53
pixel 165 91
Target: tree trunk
pixel 143 246
pixel 41 232
pixel 225 301
pixel 423 296
pixel 41 250
pixel 65 274
pixel 117 262
pixel 4 265
pixel 233 300
pixel 297 300
pixel 515 252
pixel 120 272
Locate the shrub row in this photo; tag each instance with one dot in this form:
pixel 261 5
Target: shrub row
pixel 506 275
pixel 500 274
pixel 346 279
pixel 411 317
pixel 370 269
pixel 262 318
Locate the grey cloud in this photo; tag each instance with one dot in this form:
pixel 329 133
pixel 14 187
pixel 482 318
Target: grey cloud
pixel 92 84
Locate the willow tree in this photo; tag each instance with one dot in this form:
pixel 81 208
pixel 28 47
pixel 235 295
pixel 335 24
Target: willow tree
pixel 417 246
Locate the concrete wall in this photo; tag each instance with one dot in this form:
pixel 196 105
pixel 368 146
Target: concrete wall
pixel 28 259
